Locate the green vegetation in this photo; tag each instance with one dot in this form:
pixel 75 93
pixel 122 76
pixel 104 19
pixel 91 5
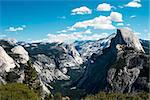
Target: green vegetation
pixel 118 96
pixel 31 78
pixel 30 73
pixel 16 91
pixel 58 96
pixel 11 77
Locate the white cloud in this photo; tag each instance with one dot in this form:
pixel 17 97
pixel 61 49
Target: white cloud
pixel 84 35
pixel 115 16
pixel 62 31
pixel 88 31
pixel 104 7
pixel 101 22
pixel 134 3
pixel 67 37
pixel 120 24
pixel 68 29
pixel 71 29
pixel 133 16
pixel 15 29
pixel 81 11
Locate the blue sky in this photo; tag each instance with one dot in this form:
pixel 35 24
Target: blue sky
pixel 67 20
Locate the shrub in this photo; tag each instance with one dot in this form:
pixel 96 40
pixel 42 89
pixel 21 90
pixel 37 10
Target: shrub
pixel 31 78
pixel 118 96
pixel 17 91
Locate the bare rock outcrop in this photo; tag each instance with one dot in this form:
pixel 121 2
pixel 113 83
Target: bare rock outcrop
pixel 23 56
pixel 131 67
pixel 6 62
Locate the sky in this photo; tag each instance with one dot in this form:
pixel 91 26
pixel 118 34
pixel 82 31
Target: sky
pixel 70 20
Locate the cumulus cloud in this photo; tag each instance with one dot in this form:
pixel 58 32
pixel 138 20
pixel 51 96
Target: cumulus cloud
pixel 104 7
pixel 134 3
pixel 120 24
pixel 115 16
pixel 15 29
pixel 101 22
pixel 81 11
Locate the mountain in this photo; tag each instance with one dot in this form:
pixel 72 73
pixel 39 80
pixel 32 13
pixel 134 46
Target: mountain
pixel 87 48
pixel 95 75
pixel 117 63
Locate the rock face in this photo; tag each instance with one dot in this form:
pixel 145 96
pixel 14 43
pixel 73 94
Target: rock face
pixel 6 62
pixel 130 39
pixel 74 53
pixel 47 69
pixel 64 55
pixel 94 78
pixel 125 73
pixel 22 53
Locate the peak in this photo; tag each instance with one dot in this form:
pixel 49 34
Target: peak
pixel 130 38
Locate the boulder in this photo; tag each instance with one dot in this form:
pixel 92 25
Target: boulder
pixel 22 53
